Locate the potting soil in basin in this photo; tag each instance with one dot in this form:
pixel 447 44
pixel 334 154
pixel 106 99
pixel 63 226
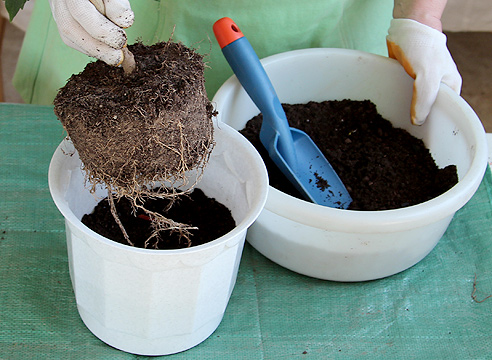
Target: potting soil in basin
pixel 383 167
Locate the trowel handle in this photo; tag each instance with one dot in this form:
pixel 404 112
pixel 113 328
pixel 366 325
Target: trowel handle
pixel 250 72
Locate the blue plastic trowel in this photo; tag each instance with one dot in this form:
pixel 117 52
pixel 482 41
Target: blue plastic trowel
pixel 292 150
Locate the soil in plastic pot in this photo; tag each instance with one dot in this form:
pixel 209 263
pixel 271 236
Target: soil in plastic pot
pixel 211 219
pixel 382 167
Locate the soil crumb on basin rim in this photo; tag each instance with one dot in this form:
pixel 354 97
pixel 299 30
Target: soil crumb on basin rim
pixel 135 131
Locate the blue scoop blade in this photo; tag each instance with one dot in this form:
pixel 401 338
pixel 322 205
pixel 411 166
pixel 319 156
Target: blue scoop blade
pixel 314 178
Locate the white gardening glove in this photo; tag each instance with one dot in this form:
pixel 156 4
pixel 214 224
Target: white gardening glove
pixel 423 53
pixel 94 27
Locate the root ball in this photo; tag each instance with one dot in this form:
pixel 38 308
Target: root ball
pixel 151 125
pixel 136 131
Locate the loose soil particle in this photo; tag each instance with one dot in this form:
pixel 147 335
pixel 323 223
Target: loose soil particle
pixel 383 167
pixel 211 218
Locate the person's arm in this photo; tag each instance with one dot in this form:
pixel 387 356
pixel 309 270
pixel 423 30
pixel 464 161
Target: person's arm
pixel 416 40
pixel 427 12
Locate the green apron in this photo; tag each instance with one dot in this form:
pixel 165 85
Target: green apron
pixel 45 62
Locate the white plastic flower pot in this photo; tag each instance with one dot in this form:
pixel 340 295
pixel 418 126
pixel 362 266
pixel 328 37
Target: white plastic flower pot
pixel 345 245
pixel 158 302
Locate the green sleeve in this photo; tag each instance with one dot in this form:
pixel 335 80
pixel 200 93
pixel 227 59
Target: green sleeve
pixel 45 62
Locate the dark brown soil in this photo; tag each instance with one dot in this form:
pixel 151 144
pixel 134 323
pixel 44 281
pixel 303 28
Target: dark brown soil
pixel 210 217
pixel 382 167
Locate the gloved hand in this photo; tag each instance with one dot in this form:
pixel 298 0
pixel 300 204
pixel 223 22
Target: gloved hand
pixel 94 27
pixel 423 53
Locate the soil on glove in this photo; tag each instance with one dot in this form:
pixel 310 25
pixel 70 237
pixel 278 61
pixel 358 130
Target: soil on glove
pixel 211 218
pixel 382 167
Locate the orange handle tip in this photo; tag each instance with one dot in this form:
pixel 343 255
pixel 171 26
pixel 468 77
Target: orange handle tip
pixel 226 31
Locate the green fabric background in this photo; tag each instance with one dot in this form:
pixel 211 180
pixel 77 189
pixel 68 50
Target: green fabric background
pixel 272 26
pixel 425 312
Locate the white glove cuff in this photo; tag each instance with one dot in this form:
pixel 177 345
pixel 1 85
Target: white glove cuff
pixel 416 34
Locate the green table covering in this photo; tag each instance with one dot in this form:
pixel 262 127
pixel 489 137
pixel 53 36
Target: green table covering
pixel 425 312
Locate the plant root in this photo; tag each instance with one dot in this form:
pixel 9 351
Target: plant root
pixel 475 290
pixel 160 223
pixel 116 217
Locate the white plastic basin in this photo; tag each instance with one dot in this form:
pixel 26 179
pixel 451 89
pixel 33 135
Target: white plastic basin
pixel 347 245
